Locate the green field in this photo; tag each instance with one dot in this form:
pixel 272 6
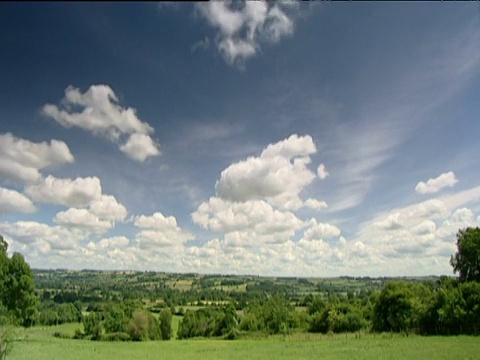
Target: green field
pixel 38 343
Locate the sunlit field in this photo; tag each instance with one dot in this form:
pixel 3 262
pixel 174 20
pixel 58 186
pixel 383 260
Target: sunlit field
pixel 39 343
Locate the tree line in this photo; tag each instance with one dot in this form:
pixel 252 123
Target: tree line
pixel 448 306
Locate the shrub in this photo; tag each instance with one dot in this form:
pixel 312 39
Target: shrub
pixel 117 336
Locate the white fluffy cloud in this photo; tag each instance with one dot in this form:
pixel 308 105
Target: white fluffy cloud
pixel 108 208
pixel 156 221
pixel 242 30
pixel 423 232
pixel 320 231
pixel 41 238
pixel 109 243
pixel 139 147
pixel 78 192
pixel 13 201
pixel 254 215
pixel 277 175
pixel 160 232
pixel 83 219
pixel 21 160
pixel 447 179
pixel 101 114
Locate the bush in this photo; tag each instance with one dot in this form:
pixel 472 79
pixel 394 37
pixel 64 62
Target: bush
pixel 78 335
pixel 143 326
pixel 117 336
pixel 61 335
pixel 137 328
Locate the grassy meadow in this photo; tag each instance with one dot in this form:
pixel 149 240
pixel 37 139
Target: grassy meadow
pixel 39 343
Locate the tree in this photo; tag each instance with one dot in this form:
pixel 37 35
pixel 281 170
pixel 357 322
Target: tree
pixel 276 315
pixel 17 289
pixel 92 325
pixel 467 259
pixel 143 326
pixel 166 324
pixel 392 311
pixel 316 305
pixel 115 319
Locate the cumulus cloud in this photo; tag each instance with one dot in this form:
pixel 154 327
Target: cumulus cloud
pixel 13 201
pixel 243 29
pixel 108 208
pixel 156 221
pixel 277 175
pixel 139 147
pixel 422 234
pixel 21 160
pixel 78 192
pixel 109 243
pixel 98 111
pixel 447 179
pixel 160 231
pixel 83 219
pixel 254 215
pixel 320 231
pixel 41 238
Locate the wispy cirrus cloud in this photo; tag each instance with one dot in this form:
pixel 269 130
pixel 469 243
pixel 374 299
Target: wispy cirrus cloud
pixel 387 121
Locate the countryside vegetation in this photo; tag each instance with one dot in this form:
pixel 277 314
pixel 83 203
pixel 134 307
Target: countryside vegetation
pixel 130 306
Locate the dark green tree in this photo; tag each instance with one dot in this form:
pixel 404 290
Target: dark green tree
pixel 393 308
pixel 466 260
pixel 92 325
pixel 115 319
pixel 276 311
pixel 166 324
pixel 17 290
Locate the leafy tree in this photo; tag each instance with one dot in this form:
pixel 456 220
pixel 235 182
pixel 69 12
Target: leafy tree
pixel 227 323
pixel 115 319
pixel 154 331
pixel 316 305
pixel 143 326
pixel 339 316
pixel 393 307
pixel 249 322
pixel 166 324
pixel 276 311
pixel 92 325
pixel 187 325
pixel 137 328
pixel 466 260
pixel 17 289
pixel 471 296
pixel 48 317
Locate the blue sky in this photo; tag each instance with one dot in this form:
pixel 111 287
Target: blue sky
pixel 288 138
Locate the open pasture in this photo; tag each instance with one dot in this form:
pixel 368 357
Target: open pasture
pixel 39 343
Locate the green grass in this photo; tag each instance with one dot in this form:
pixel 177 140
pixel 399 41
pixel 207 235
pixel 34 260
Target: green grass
pixel 38 343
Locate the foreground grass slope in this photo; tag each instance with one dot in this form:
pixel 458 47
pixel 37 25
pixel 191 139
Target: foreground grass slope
pixel 38 343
